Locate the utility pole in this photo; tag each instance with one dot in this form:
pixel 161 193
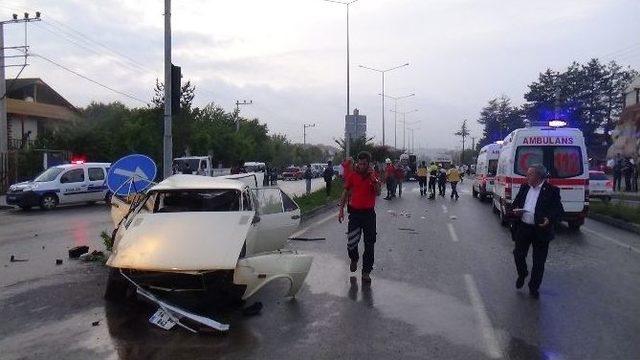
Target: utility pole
pixel 463 132
pixel 473 143
pixel 167 151
pixel 4 136
pixel 404 126
pixel 238 103
pixel 304 132
pixel 395 116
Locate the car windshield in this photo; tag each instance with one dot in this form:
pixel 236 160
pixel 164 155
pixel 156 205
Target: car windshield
pixel 197 200
pixel 598 176
pixel 49 175
pixel 560 161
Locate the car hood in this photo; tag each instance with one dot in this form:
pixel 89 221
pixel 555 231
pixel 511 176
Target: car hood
pixel 184 241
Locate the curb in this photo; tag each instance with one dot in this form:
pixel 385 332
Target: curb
pixel 313 212
pixel 615 222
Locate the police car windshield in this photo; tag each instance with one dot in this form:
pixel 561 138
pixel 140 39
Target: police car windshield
pixel 49 175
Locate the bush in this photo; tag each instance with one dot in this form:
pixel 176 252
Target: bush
pixel 617 210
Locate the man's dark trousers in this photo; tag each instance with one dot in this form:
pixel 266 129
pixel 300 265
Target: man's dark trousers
pixel 454 189
pixel 362 222
pixel 525 236
pixel 422 181
pixel 328 186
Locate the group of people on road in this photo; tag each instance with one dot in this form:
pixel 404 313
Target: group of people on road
pixel 436 175
pixel 629 169
pixel 537 206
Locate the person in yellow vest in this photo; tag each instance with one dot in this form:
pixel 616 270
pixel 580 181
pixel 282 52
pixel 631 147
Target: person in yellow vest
pixel 422 174
pixel 453 176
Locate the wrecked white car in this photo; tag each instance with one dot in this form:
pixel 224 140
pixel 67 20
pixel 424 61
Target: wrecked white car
pixel 216 235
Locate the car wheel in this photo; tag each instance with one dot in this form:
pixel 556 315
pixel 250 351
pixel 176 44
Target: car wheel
pixel 474 193
pixel 503 217
pixel 48 202
pixel 25 208
pixel 483 197
pixel 575 225
pixel 107 198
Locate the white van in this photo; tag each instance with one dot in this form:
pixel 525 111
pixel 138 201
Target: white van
pixel 485 171
pixel 62 184
pixel 562 151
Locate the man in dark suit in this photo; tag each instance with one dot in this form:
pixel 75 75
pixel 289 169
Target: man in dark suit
pixel 539 209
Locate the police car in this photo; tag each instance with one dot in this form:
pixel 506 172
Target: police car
pixel 486 168
pixel 562 151
pixel 63 184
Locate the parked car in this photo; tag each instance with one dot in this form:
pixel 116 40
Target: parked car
pixel 292 173
pixel 62 184
pixel 600 186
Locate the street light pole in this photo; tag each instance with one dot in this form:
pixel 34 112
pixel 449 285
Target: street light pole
pixel 382 72
pixel 167 152
pixel 347 138
pixel 238 103
pixel 304 132
pixel 395 116
pixel 404 126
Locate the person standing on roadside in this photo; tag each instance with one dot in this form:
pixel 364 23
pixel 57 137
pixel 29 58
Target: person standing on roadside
pixel 539 208
pixel 360 190
pixel 422 174
pixel 399 174
pixel 627 171
pixel 308 175
pixel 453 176
pixel 617 172
pixel 390 179
pixel 442 181
pixel 328 177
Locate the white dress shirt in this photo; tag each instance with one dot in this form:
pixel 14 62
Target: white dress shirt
pixel 528 217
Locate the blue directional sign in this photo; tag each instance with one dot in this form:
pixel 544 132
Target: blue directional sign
pixel 131 174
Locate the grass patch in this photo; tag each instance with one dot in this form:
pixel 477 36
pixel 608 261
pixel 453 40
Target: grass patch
pixel 618 211
pixel 107 240
pixel 319 198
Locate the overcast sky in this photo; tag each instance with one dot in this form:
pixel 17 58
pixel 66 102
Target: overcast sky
pixel 288 56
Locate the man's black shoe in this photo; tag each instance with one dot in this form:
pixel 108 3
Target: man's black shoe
pixel 353 266
pixel 534 293
pixel 520 282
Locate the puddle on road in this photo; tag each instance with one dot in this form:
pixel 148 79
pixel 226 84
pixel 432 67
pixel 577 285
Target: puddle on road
pixel 428 311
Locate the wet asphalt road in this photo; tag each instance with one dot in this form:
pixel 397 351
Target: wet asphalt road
pixel 443 288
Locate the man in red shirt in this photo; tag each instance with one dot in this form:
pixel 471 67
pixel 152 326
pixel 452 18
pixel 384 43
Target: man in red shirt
pixel 390 179
pixel 361 188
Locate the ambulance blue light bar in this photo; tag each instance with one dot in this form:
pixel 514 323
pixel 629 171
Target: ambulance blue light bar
pixel 557 123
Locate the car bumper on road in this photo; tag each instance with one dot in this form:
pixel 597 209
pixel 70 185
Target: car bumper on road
pixel 23 199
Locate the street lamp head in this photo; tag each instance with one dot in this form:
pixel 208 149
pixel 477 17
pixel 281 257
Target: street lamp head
pixel 15 16
pixel 37 14
pixel 26 15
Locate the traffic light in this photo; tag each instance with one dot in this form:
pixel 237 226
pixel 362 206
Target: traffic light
pixel 176 80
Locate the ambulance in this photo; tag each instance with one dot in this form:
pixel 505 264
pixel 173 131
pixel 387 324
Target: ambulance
pixel 486 168
pixel 562 151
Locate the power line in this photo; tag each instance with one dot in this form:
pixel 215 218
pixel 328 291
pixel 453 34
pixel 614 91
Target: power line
pixel 94 51
pixel 88 78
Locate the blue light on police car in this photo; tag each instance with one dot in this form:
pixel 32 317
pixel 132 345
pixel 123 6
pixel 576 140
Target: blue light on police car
pixel 557 123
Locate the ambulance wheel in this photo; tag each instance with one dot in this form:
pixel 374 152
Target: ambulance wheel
pixel 117 286
pixel 483 197
pixel 474 193
pixel 48 202
pixel 575 225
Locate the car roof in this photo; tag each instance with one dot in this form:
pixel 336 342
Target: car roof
pixel 191 182
pixel 69 166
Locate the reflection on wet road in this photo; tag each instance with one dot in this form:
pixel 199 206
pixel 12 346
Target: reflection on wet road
pixel 443 288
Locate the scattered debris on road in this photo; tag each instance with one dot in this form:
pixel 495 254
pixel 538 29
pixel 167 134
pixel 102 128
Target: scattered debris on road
pixel 406 229
pixel 95 323
pixel 453 217
pixel 253 309
pixel 93 256
pixel 308 238
pixel 75 252
pixel 58 261
pixel 13 259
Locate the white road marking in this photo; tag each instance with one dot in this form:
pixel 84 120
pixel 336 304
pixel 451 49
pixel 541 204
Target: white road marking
pixel 444 209
pixel 321 221
pixel 452 232
pixel 493 349
pixel 608 238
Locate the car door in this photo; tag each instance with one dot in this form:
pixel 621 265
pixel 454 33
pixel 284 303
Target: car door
pixel 279 216
pixel 97 184
pixel 73 186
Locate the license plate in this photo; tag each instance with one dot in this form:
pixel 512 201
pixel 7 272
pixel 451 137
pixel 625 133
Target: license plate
pixel 162 319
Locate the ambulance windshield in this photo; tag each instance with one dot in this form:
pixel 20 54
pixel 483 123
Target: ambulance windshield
pixel 561 161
